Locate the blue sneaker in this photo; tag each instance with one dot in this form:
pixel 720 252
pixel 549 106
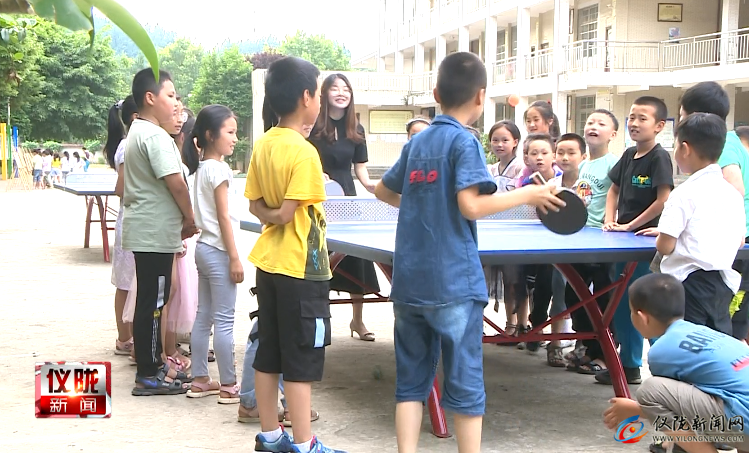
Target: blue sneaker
pixel 318 447
pixel 284 444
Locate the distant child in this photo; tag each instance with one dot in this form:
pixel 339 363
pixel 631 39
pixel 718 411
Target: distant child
pixel 65 166
pixel 549 284
pixel 699 375
pixel 438 215
pixel 504 138
pixel 285 186
pixel 121 116
pixel 158 216
pixel 416 125
pixel 46 167
pixel 702 225
pixel 36 160
pixel 56 173
pixel 640 184
pixel 219 266
pixel 539 118
pixel 710 97
pixel 78 163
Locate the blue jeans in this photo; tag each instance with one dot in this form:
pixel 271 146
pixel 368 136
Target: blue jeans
pixel 630 341
pixel 247 387
pixel 421 332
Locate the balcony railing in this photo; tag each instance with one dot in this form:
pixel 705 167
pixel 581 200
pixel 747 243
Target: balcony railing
pixel 423 83
pixel 539 64
pixel 612 56
pixel 504 71
pixel 471 6
pixel 706 50
pixel 449 10
pixel 373 81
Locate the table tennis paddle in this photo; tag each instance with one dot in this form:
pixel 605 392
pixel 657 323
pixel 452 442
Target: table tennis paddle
pixel 569 219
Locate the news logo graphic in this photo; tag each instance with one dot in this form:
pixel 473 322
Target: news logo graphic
pixel 73 389
pixel 630 431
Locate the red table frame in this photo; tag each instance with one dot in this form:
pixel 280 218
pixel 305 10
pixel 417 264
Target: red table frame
pixel 600 321
pixel 103 208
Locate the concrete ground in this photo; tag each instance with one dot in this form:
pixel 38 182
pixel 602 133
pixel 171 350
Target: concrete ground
pixel 57 304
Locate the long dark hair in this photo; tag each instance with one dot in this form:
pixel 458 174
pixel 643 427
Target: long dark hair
pixel 190 156
pixel 206 128
pixel 547 113
pixel 324 127
pixel 120 119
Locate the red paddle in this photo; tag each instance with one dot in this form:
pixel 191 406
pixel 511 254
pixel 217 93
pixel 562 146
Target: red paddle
pixel 569 219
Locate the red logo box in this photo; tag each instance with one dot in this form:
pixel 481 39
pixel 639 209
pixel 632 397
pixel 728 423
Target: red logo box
pixel 73 389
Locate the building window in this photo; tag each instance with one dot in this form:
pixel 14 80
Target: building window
pixel 587 29
pixel 503 112
pixel 584 106
pixel 501 47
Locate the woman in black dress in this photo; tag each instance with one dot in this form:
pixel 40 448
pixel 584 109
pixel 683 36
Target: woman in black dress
pixel 339 138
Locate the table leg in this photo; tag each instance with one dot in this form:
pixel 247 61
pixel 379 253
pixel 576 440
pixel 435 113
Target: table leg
pixel 602 330
pixel 89 208
pixel 104 227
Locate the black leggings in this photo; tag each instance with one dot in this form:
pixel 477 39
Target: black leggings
pixel 600 276
pixel 154 275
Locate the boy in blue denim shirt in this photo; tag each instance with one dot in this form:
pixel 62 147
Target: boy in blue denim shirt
pixel 442 186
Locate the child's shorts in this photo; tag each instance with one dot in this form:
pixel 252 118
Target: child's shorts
pixel 665 399
pixel 293 326
pixel 455 330
pixel 37 175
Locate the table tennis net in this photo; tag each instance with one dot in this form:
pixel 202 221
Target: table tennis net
pixel 349 209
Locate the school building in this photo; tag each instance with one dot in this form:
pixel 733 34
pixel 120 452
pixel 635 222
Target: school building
pixel 577 54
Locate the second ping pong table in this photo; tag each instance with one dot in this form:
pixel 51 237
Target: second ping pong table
pixel 95 188
pixel 365 228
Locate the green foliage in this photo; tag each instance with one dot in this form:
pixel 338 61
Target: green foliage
pixel 93 145
pixel 182 59
pixel 79 84
pixel 52 145
pixel 29 144
pixel 486 143
pixel 252 46
pixel 225 78
pixel 326 54
pixel 241 149
pixel 19 78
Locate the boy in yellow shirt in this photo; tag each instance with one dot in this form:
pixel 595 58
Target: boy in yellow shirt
pixel 285 186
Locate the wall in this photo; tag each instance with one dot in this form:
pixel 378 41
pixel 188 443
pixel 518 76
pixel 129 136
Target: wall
pixel 637 20
pixel 383 150
pixel 741 108
pixel 542 29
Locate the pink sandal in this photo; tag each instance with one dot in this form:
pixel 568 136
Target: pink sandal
pixel 180 365
pixel 123 347
pixel 203 389
pixel 233 391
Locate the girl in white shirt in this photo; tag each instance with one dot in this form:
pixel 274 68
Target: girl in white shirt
pixel 219 266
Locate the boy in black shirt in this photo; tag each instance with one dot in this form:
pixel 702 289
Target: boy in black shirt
pixel 641 183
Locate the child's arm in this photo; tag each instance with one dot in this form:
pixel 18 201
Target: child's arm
pixel 653 211
pixel 474 205
pixel 732 174
pixel 178 188
pixel 119 188
pixel 612 200
pixel 388 196
pixel 221 194
pixel 278 216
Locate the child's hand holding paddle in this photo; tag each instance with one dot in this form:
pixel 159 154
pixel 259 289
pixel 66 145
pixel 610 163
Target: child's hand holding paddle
pixel 544 197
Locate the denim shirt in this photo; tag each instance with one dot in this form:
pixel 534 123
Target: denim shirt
pixel 436 260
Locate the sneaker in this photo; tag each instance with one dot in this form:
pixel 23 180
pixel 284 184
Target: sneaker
pixel 284 444
pixel 318 447
pixel 631 374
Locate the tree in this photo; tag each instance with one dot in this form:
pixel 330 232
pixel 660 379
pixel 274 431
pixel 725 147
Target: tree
pixel 263 60
pixel 78 15
pixel 122 44
pixel 80 83
pixel 182 59
pixel 225 78
pixel 324 53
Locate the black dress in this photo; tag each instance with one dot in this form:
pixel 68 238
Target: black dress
pixel 337 158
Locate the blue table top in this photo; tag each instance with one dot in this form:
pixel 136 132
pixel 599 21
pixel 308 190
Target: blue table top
pixel 87 189
pixel 500 242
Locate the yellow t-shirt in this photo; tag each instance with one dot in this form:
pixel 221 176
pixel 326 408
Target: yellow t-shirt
pixel 285 166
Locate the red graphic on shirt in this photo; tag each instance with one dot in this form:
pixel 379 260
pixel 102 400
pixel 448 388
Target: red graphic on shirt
pixel 419 176
pixel 740 364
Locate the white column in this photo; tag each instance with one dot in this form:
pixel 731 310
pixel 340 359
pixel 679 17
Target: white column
pixel 380 64
pixel 440 50
pixel 463 41
pixel 399 62
pixel 418 59
pixel 490 51
pixel 729 22
pixel 490 111
pixel 731 90
pixel 519 121
pixel 524 41
pixel 559 104
pixel 561 33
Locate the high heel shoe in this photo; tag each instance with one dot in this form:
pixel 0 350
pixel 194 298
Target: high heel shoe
pixel 367 336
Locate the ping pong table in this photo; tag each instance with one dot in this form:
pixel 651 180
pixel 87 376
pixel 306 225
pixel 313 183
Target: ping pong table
pixel 95 188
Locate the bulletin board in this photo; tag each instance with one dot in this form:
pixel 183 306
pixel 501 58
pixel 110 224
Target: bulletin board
pixel 389 121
